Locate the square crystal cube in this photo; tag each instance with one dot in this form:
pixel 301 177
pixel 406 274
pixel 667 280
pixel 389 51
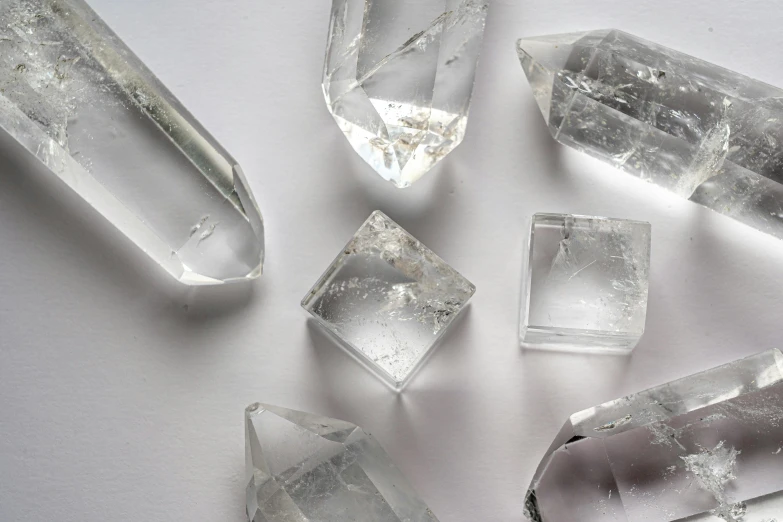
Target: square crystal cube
pixel 388 299
pixel 585 284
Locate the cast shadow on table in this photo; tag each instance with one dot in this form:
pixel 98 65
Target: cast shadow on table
pixel 59 241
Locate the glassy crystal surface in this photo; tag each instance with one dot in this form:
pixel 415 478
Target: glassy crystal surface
pixel 306 468
pixel 399 77
pixel 388 299
pixel 705 448
pixel 584 284
pixel 704 132
pixel 78 99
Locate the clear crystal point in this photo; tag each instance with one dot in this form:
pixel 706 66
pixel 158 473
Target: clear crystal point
pixel 306 468
pixel 706 133
pixel 706 448
pixel 78 99
pixel 398 79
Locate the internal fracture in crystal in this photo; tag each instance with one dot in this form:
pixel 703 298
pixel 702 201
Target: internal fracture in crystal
pixel 306 468
pixel 706 448
pixel 585 283
pixel 398 79
pixel 86 107
pixel 388 299
pixel 706 133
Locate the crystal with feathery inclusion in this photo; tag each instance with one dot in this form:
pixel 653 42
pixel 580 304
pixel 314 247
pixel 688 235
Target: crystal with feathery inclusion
pixel 398 79
pixel 585 284
pixel 78 99
pixel 705 448
pixel 388 299
pixel 306 468
pixel 708 134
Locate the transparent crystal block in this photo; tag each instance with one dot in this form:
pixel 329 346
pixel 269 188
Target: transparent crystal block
pixel 306 468
pixel 86 107
pixel 705 448
pixel 388 299
pixel 704 132
pixel 584 286
pixel 399 77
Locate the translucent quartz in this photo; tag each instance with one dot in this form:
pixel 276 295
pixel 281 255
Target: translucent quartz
pixel 585 284
pixel 398 79
pixel 701 449
pixel 388 299
pixel 704 132
pixel 306 468
pixel 78 99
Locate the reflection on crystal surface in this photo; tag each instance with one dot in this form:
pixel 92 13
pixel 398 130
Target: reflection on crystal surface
pixel 79 100
pixel 585 283
pixel 398 79
pixel 704 132
pixel 306 468
pixel 388 299
pixel 704 448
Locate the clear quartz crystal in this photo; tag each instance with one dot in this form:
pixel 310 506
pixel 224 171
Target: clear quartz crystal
pixel 398 79
pixel 78 99
pixel 306 468
pixel 704 132
pixel 388 299
pixel 585 283
pixel 706 448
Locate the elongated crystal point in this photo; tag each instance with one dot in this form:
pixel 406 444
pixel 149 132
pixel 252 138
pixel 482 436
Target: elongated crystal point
pixel 398 79
pixel 306 468
pixel 706 448
pixel 79 100
pixel 709 134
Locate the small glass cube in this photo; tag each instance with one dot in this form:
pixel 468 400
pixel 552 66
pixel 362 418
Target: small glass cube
pixel 388 299
pixel 585 285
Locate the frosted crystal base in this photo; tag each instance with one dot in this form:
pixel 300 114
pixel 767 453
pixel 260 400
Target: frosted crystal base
pixel 306 468
pixel 707 448
pixel 399 77
pixel 80 101
pixel 585 283
pixel 388 299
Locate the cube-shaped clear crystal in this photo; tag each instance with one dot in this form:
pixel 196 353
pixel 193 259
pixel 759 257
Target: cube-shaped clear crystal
pixel 585 284
pixel 388 299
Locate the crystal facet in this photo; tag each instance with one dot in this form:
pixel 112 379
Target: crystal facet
pixel 78 99
pixel 585 284
pixel 388 299
pixel 708 134
pixel 306 468
pixel 398 79
pixel 705 448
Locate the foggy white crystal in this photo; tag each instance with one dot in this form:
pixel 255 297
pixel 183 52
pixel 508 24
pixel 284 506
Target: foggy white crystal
pixel 398 79
pixel 306 468
pixel 78 99
pixel 704 132
pixel 585 283
pixel 388 299
pixel 706 448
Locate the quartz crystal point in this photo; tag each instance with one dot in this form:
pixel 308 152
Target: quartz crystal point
pixel 306 468
pixel 78 99
pixel 705 448
pixel 388 299
pixel 708 134
pixel 398 79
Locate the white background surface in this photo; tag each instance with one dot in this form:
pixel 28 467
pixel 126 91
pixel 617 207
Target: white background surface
pixel 122 393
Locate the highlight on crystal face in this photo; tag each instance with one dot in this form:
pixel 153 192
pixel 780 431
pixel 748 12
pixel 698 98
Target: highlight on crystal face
pixel 398 79
pixel 306 468
pixel 388 299
pixel 585 283
pixel 706 133
pixel 88 109
pixel 705 448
